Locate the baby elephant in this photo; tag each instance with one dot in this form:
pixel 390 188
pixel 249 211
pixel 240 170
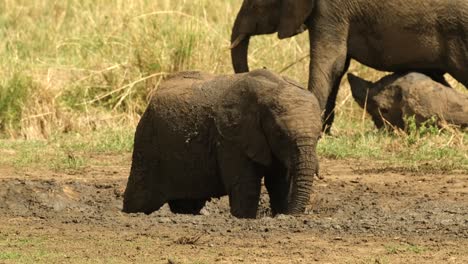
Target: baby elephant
pixel 396 97
pixel 205 136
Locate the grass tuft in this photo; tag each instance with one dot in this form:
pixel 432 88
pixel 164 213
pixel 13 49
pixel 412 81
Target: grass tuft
pixel 9 255
pixel 14 95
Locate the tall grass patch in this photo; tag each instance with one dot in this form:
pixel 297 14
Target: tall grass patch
pixel 14 95
pixel 74 68
pixel 100 59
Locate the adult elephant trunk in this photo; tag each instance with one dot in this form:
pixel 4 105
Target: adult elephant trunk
pixel 303 167
pixel 240 38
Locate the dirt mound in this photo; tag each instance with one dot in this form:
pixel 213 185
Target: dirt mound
pixel 44 197
pixel 356 207
pixel 357 212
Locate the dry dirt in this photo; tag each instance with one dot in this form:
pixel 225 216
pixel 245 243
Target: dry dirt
pixel 359 213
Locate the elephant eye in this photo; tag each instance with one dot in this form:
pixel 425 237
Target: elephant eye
pixel 384 111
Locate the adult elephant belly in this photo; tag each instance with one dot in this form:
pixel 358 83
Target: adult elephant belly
pixel 396 49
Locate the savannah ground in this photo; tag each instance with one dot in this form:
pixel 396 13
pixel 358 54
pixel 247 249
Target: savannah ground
pixel 75 77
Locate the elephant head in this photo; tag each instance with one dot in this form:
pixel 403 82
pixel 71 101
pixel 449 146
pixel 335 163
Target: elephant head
pixel 257 17
pixel 382 100
pixel 272 120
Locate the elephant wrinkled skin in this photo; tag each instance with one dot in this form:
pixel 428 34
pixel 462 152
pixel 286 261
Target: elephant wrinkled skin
pixel 401 36
pixel 395 98
pixel 206 136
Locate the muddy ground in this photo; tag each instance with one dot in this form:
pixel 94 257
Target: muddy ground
pixel 359 213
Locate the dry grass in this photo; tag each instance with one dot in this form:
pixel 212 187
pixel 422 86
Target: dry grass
pixel 80 66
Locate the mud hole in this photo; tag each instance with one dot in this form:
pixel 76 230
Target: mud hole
pixel 358 214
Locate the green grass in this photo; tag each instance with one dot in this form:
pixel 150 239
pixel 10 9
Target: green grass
pixel 73 151
pixel 66 152
pixel 13 97
pixel 30 257
pixel 9 255
pixel 76 75
pixel 424 149
pixel 404 248
pixel 23 249
pixel 88 58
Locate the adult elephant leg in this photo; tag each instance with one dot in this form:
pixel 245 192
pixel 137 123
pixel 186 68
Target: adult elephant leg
pixel 329 114
pixel 458 66
pixel 187 206
pixel 462 77
pixel 437 76
pixel 328 63
pixel 241 178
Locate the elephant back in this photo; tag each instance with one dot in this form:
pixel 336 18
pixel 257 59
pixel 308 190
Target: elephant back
pixel 185 79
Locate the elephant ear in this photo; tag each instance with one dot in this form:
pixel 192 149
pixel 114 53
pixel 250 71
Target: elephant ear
pixel 293 14
pixel 359 89
pixel 237 119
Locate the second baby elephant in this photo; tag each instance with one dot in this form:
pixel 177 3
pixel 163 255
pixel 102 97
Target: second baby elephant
pixel 205 136
pixel 396 97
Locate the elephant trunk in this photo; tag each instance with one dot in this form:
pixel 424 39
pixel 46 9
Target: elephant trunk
pixel 240 38
pixel 303 168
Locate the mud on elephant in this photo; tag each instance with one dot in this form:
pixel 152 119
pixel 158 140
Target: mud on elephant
pixel 395 98
pixel 205 136
pixel 429 37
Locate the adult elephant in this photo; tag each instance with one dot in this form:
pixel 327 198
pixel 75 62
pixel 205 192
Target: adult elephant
pixel 429 37
pixel 206 136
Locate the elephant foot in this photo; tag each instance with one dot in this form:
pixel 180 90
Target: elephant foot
pixel 278 206
pixel 141 202
pixel 187 206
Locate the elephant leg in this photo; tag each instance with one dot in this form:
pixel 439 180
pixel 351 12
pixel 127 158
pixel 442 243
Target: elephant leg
pixel 329 115
pixel 328 63
pixel 187 206
pixel 143 192
pixel 242 180
pixel 462 77
pixel 156 204
pixel 278 187
pixel 244 197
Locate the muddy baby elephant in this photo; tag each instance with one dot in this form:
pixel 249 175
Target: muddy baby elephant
pixel 205 136
pixel 396 97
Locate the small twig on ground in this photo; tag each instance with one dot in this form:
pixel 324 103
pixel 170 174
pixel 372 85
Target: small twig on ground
pixel 171 261
pixel 188 240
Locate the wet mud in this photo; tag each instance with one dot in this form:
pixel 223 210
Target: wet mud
pixel 355 206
